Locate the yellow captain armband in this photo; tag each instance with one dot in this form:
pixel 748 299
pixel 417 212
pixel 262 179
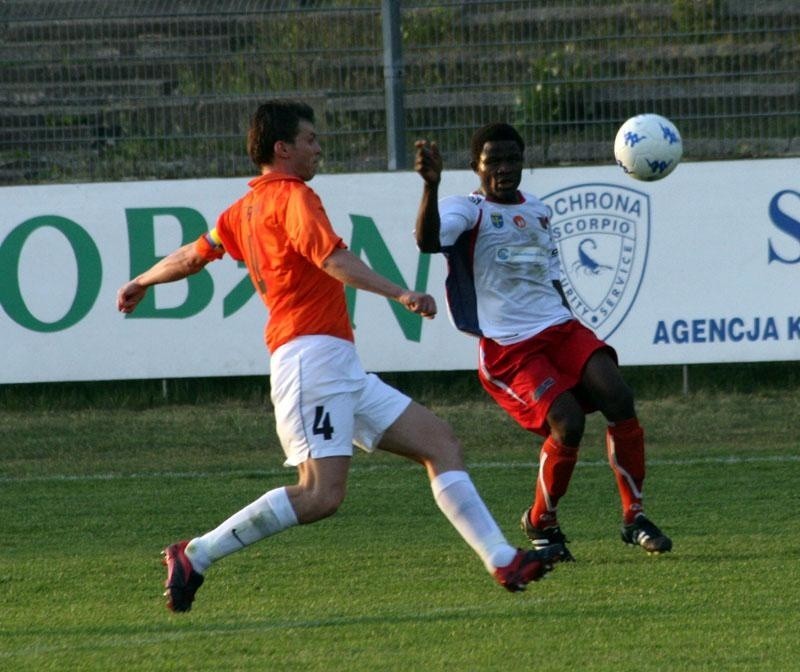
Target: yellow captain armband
pixel 209 245
pixel 213 237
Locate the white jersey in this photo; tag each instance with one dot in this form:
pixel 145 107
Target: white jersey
pixel 502 261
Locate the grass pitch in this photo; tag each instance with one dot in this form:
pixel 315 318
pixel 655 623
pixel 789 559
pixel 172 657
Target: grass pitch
pixel 89 497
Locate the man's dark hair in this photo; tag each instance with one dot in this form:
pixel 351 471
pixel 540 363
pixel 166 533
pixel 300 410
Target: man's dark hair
pixel 493 133
pixel 273 121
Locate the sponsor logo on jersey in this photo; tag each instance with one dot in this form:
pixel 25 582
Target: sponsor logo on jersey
pixel 519 222
pixel 497 220
pixel 603 234
pixel 522 254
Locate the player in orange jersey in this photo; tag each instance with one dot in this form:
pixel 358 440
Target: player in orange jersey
pixel 324 401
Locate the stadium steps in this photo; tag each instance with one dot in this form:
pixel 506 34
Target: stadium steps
pixel 566 153
pixel 503 102
pixel 92 92
pixel 692 98
pixel 571 21
pixel 114 70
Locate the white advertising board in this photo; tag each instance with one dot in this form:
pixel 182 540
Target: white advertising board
pixel 700 267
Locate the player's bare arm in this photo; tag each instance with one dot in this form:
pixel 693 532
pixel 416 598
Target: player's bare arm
pixel 350 270
pixel 428 164
pixel 177 265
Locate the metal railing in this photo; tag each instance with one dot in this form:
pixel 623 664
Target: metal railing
pixel 97 90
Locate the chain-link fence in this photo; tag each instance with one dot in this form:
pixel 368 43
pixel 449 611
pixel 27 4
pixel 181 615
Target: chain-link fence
pixel 114 89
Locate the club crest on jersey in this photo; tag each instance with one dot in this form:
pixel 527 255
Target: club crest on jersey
pixel 603 235
pixel 519 222
pixel 497 220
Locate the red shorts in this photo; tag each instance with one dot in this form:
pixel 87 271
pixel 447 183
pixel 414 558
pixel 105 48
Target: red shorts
pixel 525 378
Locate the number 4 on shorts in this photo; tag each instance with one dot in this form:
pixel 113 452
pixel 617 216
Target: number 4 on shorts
pixel 322 423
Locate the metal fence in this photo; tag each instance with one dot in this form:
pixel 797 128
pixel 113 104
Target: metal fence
pixel 137 89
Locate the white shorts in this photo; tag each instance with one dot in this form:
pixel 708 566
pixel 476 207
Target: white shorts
pixel 325 402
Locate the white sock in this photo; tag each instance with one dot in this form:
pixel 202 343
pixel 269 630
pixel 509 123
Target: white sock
pixel 462 505
pixel 268 515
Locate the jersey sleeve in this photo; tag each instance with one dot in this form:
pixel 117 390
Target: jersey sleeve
pixel 209 246
pixel 457 215
pixel 308 227
pixel 225 233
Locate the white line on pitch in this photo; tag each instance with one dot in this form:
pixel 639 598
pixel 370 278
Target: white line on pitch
pixel 356 468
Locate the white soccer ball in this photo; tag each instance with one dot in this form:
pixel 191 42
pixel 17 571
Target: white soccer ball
pixel 648 147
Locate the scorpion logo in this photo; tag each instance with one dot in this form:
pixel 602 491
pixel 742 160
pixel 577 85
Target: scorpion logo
pixel 585 263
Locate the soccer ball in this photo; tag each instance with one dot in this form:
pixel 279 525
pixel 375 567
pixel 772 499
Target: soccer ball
pixel 648 147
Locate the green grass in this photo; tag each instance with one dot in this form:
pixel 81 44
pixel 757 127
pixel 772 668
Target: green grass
pixel 649 382
pixel 90 495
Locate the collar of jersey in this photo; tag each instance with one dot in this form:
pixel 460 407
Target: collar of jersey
pixel 272 177
pixel 491 200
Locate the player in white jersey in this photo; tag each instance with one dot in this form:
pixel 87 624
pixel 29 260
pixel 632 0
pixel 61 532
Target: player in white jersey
pixel 509 259
pixel 536 360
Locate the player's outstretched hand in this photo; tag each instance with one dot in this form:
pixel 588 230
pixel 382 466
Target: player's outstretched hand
pixel 129 295
pixel 428 161
pixel 417 302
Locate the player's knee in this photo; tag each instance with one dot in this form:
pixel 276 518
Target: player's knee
pixel 442 449
pixel 567 423
pixel 568 435
pixel 619 405
pixel 322 503
pixel 322 509
pixel 447 442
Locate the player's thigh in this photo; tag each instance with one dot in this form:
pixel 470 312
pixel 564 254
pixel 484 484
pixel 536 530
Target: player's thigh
pixel 379 405
pixel 607 388
pixel 315 428
pixel 388 419
pixel 420 435
pixel 315 399
pixel 526 389
pixel 573 349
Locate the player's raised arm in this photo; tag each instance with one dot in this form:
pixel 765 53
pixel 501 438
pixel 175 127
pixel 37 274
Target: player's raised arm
pixel 177 265
pixel 428 164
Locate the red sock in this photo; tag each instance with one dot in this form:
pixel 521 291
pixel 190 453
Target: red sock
pixel 625 443
pixel 556 464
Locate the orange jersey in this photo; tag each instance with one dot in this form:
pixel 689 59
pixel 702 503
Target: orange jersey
pixel 282 233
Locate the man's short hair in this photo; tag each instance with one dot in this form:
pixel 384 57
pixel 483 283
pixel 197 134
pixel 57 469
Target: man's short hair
pixel 273 121
pixel 493 133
